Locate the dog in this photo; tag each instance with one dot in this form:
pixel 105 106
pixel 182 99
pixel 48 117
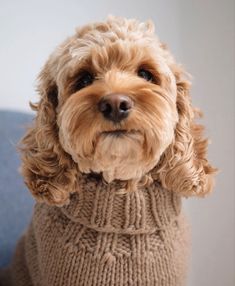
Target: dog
pixel 113 149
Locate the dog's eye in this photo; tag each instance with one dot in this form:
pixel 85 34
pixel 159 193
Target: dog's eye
pixel 84 80
pixel 145 74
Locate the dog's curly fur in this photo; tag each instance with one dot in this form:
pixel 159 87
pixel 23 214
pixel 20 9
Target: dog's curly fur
pixel 70 135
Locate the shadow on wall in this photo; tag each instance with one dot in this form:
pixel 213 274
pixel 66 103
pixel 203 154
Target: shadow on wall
pixel 16 203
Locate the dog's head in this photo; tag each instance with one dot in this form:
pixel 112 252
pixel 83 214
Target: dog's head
pixel 113 101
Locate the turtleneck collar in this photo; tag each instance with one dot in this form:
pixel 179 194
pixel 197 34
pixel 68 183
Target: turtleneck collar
pixel 103 207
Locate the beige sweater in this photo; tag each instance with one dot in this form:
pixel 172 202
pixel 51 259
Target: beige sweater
pixel 104 238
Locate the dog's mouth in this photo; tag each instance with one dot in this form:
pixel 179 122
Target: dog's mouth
pixel 120 132
pixel 117 133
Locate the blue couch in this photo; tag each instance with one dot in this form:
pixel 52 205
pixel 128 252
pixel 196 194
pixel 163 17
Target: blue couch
pixel 16 202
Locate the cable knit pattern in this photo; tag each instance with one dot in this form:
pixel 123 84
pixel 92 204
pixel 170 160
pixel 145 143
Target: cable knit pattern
pixel 104 237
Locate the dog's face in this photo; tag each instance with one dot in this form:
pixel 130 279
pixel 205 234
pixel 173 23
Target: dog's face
pixel 113 101
pixel 116 102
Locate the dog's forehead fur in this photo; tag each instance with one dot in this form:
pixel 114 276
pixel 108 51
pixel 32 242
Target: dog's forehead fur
pixel 114 30
pixel 114 43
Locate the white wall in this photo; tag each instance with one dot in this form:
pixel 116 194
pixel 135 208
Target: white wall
pixel 207 36
pixel 201 35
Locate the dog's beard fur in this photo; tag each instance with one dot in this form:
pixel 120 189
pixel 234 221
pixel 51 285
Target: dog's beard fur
pixel 129 149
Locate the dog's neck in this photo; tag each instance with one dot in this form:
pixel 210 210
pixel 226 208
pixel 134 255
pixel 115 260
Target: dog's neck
pixel 108 208
pixel 127 185
pixel 100 179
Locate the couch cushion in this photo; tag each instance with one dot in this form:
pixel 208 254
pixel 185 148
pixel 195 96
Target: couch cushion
pixel 15 202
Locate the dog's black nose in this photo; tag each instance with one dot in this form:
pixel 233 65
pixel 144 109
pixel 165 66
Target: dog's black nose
pixel 115 106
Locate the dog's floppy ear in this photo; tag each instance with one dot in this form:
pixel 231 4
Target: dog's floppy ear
pixel 183 167
pixel 48 171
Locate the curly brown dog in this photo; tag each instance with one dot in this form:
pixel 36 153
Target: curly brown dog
pixel 113 148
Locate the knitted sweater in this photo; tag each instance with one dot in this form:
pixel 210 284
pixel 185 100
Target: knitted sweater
pixel 104 237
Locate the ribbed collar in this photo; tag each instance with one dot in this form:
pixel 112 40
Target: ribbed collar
pixel 103 207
